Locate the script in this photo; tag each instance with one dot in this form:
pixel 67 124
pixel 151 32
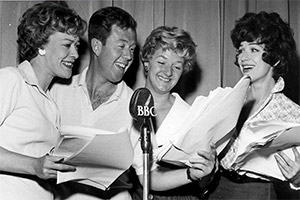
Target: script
pixel 100 156
pixel 271 136
pixel 209 121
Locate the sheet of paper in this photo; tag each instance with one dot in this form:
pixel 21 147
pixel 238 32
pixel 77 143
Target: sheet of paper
pixel 209 120
pixel 268 134
pixel 263 162
pixel 276 136
pixel 99 156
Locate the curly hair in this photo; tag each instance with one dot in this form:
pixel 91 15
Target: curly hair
pixel 268 29
pixel 171 38
pixel 41 21
pixel 101 22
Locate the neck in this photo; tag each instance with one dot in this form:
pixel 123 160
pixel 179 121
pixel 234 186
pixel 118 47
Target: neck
pixel 44 78
pixel 99 90
pixel 260 91
pixel 163 102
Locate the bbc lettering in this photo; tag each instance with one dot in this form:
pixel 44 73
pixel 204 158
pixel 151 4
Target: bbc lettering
pixel 145 111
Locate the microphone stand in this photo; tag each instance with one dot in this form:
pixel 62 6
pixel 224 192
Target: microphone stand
pixel 146 147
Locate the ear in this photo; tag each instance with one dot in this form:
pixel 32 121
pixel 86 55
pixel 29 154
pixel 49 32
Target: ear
pixel 146 65
pixel 42 52
pixel 96 46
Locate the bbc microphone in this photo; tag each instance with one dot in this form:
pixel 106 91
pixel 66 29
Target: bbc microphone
pixel 141 104
pixel 141 108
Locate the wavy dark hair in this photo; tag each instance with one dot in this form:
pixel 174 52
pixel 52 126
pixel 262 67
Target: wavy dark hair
pixel 41 21
pixel 171 38
pixel 101 22
pixel 268 29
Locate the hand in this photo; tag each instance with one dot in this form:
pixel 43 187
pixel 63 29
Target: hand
pixel 47 166
pixel 289 168
pixel 203 165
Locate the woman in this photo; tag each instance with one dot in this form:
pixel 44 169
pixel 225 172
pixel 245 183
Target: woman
pixel 48 37
pixel 265 50
pixel 167 54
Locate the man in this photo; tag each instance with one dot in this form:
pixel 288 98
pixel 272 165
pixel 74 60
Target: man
pixel 98 98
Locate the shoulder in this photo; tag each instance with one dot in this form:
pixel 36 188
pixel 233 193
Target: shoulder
pixel 63 84
pixel 126 91
pixel 288 108
pixel 10 75
pixel 180 102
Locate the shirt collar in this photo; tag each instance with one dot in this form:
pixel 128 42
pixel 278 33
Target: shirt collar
pixel 279 86
pixel 27 73
pixel 82 77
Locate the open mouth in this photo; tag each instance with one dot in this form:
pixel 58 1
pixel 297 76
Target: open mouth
pixel 164 79
pixel 247 68
pixel 121 66
pixel 68 64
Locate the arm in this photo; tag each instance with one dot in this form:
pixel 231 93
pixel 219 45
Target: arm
pixel 166 179
pixel 44 167
pixel 289 168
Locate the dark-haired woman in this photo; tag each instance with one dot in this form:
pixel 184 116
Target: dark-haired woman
pixel 265 50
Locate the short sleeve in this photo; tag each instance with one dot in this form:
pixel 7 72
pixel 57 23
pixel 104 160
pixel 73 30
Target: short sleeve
pixel 9 90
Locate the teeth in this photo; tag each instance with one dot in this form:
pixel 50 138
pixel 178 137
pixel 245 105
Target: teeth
pixel 68 64
pixel 164 79
pixel 121 65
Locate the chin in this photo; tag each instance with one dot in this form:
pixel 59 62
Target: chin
pixel 66 76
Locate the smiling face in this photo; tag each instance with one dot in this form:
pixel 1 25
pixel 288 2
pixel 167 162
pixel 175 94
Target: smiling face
pixel 164 71
pixel 61 53
pixel 250 61
pixel 117 54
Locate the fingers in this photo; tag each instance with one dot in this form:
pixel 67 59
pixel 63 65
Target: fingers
pixel 296 153
pixel 47 167
pixel 282 166
pixel 196 173
pixel 57 165
pixel 290 169
pixel 285 158
pixel 64 168
pixel 203 164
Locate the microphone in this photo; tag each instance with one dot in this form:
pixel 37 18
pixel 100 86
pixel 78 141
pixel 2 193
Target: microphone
pixel 141 104
pixel 141 108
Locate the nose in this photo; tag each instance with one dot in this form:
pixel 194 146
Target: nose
pixel 244 56
pixel 127 54
pixel 168 70
pixel 74 53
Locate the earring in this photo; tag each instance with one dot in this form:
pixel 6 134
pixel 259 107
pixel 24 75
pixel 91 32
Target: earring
pixel 146 67
pixel 276 63
pixel 42 52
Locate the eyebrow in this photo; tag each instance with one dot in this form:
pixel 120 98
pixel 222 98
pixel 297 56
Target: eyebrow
pixel 162 56
pixel 126 41
pixel 253 43
pixel 71 40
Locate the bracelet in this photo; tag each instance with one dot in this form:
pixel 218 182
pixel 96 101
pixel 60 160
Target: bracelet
pixel 188 174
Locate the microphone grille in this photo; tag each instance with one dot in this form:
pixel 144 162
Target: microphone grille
pixel 141 97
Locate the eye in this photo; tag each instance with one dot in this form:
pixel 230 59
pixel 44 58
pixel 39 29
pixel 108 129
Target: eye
pixel 178 67
pixel 121 46
pixel 239 51
pixel 68 45
pixel 254 50
pixel 161 63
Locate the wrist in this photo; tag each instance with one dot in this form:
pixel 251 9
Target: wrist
pixel 188 175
